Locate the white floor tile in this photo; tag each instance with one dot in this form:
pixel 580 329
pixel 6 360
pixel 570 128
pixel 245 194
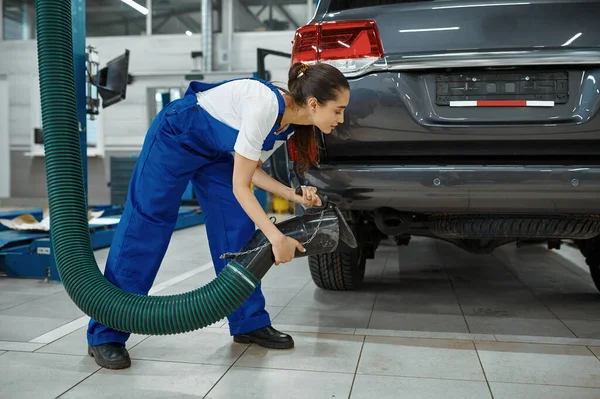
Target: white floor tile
pixel 313 297
pixel 18 328
pixel 273 310
pixel 19 346
pixel 29 286
pixel 424 334
pixel 249 383
pixel 382 320
pixel 76 343
pixel 208 346
pixel 584 328
pixel 342 318
pixel 10 299
pixel 545 340
pixel 53 306
pixel 385 387
pixel 40 376
pixel 279 296
pixel 518 326
pixel 566 365
pixel 314 329
pixel 529 391
pixel 311 352
pixel 412 357
pixel 148 380
pixel 420 301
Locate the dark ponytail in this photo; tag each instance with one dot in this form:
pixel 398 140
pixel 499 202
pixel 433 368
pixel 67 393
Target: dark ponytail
pixel 321 81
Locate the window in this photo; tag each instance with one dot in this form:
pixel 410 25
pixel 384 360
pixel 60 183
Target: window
pixel 164 96
pixel 270 15
pixel 18 19
pixel 118 17
pixel 115 18
pixel 178 17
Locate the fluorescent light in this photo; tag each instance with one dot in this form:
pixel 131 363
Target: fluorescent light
pixel 571 40
pixel 429 29
pixel 187 32
pixel 135 5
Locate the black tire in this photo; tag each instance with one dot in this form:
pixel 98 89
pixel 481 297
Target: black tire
pixel 342 270
pixel 516 226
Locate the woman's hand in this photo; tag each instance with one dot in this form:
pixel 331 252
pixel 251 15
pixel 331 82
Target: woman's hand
pixel 284 249
pixel 309 197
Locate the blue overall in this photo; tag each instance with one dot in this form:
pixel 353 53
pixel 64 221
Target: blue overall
pixel 183 143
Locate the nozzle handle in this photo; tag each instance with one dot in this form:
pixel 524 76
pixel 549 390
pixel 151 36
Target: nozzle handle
pixel 299 192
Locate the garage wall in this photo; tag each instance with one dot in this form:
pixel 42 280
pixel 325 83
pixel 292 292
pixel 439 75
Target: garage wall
pixel 156 61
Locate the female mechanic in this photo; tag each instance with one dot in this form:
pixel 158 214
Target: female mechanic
pixel 217 136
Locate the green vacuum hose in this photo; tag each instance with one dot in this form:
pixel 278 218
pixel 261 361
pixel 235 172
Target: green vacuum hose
pixel 81 277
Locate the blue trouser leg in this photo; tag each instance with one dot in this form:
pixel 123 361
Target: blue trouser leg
pixel 228 228
pixel 161 175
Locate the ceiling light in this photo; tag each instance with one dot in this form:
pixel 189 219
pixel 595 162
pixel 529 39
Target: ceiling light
pixel 135 5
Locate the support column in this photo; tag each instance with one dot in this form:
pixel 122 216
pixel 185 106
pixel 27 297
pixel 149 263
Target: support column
pixel 78 21
pixel 149 18
pixel 207 38
pixel 4 139
pixel 1 21
pixel 228 28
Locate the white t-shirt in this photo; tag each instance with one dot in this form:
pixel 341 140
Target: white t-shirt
pixel 248 106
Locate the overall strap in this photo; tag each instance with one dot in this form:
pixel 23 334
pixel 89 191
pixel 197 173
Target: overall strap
pixel 196 87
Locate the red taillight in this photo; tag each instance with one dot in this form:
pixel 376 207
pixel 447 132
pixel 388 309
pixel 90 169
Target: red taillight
pixel 348 45
pixel 348 40
pixel 305 44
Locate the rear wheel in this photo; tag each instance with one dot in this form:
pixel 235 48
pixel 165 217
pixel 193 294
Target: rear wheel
pixel 338 271
pixel 342 270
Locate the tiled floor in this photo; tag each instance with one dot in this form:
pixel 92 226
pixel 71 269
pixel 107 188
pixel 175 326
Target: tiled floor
pixel 431 322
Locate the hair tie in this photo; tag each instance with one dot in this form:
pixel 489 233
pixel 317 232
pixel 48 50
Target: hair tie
pixel 302 70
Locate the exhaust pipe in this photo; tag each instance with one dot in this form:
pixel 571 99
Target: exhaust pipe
pixel 392 222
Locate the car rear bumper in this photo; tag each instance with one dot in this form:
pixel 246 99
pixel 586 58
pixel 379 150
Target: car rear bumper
pixel 473 189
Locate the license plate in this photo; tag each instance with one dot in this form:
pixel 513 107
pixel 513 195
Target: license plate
pixel 502 89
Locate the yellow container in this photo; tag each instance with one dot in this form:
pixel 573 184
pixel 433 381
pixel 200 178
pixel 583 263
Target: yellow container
pixel 280 205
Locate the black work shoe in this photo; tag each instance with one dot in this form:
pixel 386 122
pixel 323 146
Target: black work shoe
pixel 112 356
pixel 267 337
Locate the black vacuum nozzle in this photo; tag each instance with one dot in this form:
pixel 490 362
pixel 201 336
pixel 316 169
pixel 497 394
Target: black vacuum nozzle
pixel 319 231
pixel 345 233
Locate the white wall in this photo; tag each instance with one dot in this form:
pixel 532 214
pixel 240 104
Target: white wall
pixel 156 61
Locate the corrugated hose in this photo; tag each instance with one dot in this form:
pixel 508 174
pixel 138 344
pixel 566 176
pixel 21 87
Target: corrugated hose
pixel 69 228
